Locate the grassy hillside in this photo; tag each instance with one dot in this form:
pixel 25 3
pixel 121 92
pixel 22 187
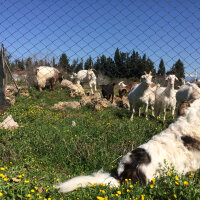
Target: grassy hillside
pixel 47 149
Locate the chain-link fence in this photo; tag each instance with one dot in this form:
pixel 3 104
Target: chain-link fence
pixel 119 40
pixel 131 54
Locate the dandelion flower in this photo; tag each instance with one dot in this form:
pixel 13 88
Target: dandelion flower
pixel 2 176
pixel 186 183
pixel 26 181
pixel 131 186
pixel 152 186
pixel 1 194
pixel 176 178
pixel 100 198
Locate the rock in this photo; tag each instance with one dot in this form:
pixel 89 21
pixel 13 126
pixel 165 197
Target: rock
pixel 73 123
pixel 9 123
pixel 122 103
pixel 63 105
pixel 73 89
pixel 101 104
pixel 86 100
pixel 95 101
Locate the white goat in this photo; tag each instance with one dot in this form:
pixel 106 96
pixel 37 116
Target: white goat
pixel 187 92
pixel 166 97
pixel 142 94
pixel 179 144
pixel 121 84
pixel 84 76
pixel 44 74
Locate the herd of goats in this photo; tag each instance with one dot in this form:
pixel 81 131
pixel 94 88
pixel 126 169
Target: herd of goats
pixel 178 144
pixel 143 93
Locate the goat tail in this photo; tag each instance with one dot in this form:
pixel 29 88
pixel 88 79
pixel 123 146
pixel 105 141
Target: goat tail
pixel 84 181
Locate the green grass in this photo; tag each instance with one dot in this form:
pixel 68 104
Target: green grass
pixel 46 149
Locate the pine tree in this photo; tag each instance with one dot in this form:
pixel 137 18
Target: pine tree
pixel 64 63
pixel 28 63
pixel 79 66
pixel 161 68
pixel 110 67
pixel 97 64
pixel 88 63
pixel 74 64
pixel 178 69
pixel 19 64
pixel 118 63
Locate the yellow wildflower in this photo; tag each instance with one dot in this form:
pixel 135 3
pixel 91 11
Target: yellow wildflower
pixel 100 198
pixel 152 186
pixel 176 178
pixel 131 186
pixel 2 176
pixel 186 183
pixel 175 196
pixel 169 174
pixel 1 194
pixel 29 195
pixel 119 192
pixel 153 180
pixel 26 181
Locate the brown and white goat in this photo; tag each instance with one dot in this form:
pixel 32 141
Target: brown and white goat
pixel 44 74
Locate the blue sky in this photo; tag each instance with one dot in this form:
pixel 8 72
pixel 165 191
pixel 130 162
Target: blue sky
pixel 160 28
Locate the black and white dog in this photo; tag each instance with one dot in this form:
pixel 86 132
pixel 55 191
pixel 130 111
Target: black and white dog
pixel 179 144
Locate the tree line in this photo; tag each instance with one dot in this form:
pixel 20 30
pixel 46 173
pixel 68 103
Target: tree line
pixel 122 65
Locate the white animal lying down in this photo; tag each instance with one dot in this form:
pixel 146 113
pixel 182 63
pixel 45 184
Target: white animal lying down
pixel 179 144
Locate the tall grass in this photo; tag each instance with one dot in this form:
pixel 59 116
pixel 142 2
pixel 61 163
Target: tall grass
pixel 47 149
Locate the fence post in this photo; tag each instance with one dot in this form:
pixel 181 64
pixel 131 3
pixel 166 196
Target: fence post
pixel 2 77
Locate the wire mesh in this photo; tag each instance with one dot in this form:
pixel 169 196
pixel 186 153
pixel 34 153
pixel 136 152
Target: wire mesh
pixel 119 39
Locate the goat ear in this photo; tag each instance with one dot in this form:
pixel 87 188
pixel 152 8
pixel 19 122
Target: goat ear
pixel 176 78
pixel 145 72
pixel 166 78
pixel 150 73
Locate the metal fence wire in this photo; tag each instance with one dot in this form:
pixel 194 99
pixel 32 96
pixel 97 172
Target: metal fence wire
pixel 119 39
